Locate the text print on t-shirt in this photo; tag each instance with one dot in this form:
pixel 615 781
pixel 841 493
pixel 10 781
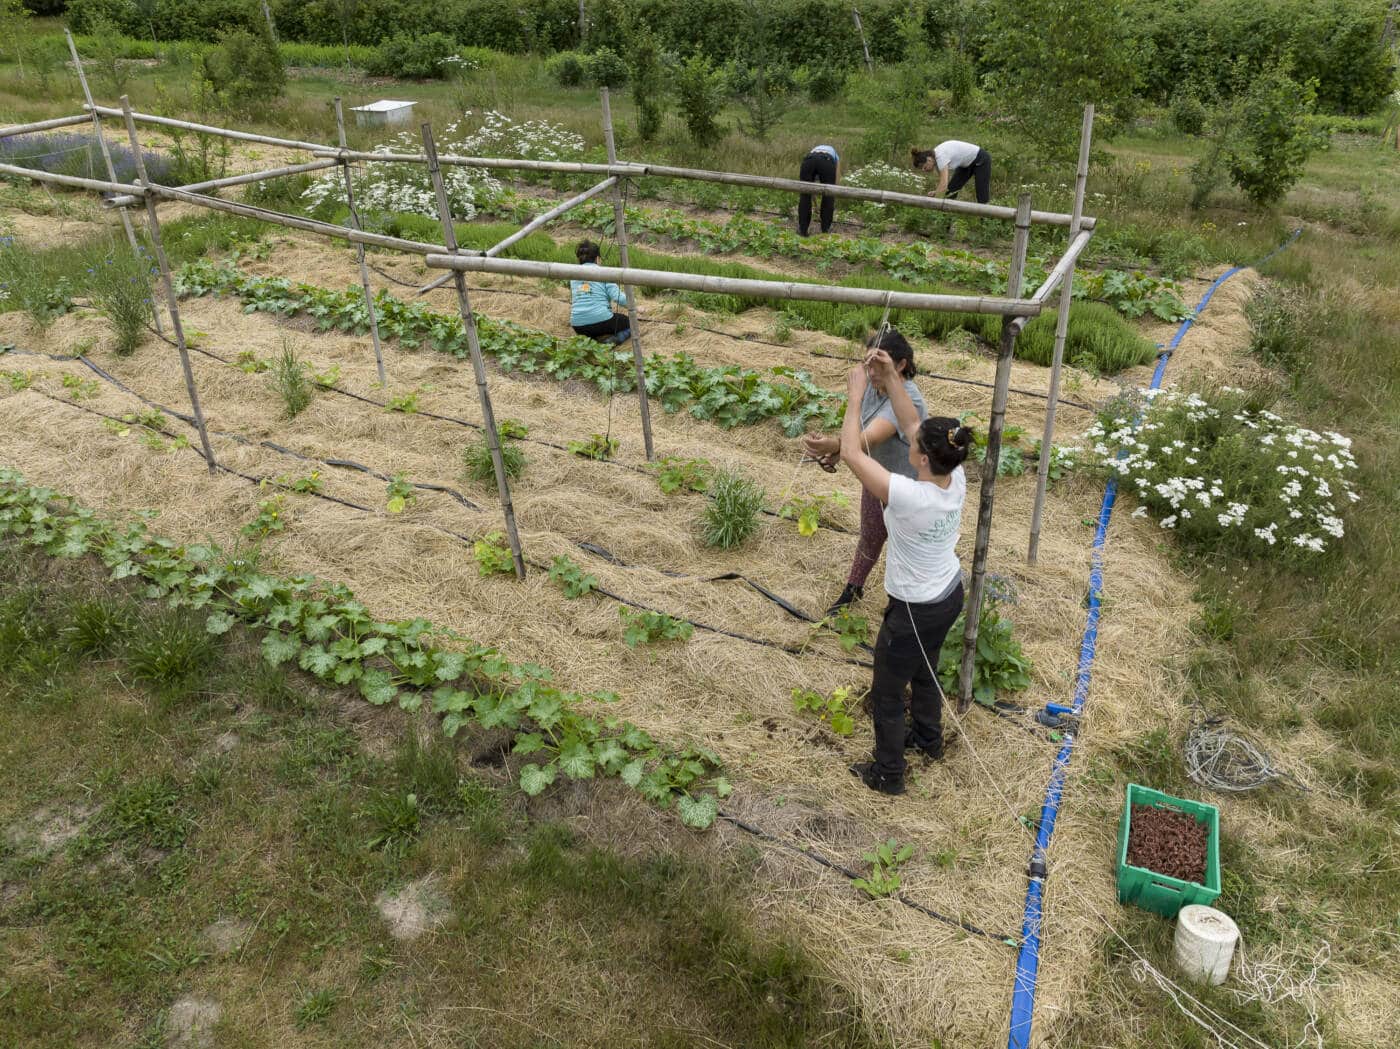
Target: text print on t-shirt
pixel 945 526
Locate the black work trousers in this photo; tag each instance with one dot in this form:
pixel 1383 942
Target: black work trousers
pixel 981 171
pixel 605 331
pixel 816 167
pixel 906 654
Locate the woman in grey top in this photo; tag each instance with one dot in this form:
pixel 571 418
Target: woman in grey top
pixel 886 444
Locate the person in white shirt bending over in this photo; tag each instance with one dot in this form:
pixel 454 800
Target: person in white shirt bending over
pixel 956 162
pixel 923 579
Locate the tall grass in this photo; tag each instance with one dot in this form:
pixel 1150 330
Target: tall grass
pixel 120 286
pixel 291 381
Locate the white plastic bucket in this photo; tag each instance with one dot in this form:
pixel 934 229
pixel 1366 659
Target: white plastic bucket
pixel 1205 943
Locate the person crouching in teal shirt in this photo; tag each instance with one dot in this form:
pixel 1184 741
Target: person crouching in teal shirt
pixel 592 311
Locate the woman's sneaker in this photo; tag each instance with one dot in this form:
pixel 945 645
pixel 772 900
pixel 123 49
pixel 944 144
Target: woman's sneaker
pixel 848 596
pixel 872 777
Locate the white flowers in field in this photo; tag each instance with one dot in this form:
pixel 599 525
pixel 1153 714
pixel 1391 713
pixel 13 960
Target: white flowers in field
pixel 408 188
pixel 1217 470
pixel 880 175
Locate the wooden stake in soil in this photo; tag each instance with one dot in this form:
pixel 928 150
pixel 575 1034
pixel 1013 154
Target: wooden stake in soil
pixel 488 416
pixel 359 248
pixel 869 65
pixel 170 299
pixel 1010 328
pixel 1061 329
pixel 620 221
pixel 111 169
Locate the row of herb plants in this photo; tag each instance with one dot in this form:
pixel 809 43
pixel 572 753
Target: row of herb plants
pixel 328 633
pixel 1131 293
pixel 729 396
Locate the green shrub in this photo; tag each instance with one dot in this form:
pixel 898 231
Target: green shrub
pixel 414 57
pixel 567 68
pixel 290 380
pixel 1283 325
pixel 731 515
pixel 957 73
pixel 824 83
pixel 700 91
pixel 1187 112
pixel 121 289
pixel 246 68
pixel 1098 340
pixel 648 83
pixel 1274 140
pixel 605 68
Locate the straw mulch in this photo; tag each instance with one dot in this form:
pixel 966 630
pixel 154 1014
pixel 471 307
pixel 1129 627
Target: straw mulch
pixel 916 977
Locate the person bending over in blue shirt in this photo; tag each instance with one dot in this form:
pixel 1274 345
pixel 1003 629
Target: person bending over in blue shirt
pixel 592 311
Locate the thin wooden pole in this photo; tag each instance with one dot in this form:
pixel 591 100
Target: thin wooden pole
pixel 53 178
pixel 530 227
pixel 869 65
pixel 488 416
pixel 765 289
pixel 271 25
pixel 111 168
pixel 1009 330
pixel 359 248
pixel 171 301
pixel 221 132
pixel 1042 479
pixel 620 222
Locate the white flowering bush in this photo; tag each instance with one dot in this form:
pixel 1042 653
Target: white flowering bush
pixel 1225 473
pixel 880 175
pixel 408 188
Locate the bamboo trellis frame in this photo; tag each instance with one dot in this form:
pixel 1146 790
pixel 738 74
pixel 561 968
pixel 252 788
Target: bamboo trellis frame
pixel 1013 307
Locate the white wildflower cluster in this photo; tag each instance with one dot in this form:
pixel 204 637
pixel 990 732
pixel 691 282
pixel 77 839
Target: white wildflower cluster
pixel 408 188
pixel 1213 468
pixel 880 175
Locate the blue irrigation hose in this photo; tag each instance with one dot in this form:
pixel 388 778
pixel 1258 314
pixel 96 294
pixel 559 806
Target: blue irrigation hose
pixel 1028 958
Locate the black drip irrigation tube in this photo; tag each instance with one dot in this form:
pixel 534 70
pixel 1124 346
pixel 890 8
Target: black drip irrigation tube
pixel 851 875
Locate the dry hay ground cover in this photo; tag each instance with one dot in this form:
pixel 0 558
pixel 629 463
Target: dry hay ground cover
pixel 913 976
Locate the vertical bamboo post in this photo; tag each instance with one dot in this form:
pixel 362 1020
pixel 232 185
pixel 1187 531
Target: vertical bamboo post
pixel 488 416
pixel 1061 329
pixel 620 221
pixel 107 159
pixel 359 248
pixel 171 301
pixel 271 25
pixel 869 65
pixel 1010 328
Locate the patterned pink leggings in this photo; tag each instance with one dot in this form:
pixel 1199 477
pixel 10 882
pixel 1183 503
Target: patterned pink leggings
pixel 872 538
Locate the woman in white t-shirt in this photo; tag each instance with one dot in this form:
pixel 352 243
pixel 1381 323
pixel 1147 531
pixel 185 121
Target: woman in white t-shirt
pixel 922 576
pixel 956 162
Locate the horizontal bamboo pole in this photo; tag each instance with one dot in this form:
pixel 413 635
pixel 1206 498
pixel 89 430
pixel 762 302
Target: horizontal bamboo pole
pixel 277 218
pixel 530 227
pixel 222 132
pixel 785 185
pixel 236 180
pixel 568 167
pixel 44 125
pixel 1066 263
pixel 771 289
pixel 70 180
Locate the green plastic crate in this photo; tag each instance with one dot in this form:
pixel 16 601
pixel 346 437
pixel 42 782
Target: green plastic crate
pixel 1158 892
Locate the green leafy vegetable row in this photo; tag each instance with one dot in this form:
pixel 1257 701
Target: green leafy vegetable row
pixel 729 396
pixel 1132 294
pixel 329 634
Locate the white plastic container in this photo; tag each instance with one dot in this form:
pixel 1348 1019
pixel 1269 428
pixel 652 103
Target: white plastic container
pixel 1205 943
pixel 385 111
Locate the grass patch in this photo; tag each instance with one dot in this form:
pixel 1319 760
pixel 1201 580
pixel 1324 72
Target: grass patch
pixel 731 514
pixel 477 464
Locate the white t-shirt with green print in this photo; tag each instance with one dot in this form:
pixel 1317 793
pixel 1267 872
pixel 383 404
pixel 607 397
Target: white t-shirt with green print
pixel 923 520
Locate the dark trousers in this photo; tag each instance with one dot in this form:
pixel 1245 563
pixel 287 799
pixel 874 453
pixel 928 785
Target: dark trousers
pixel 900 662
pixel 816 167
pixel 605 330
pixel 981 171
